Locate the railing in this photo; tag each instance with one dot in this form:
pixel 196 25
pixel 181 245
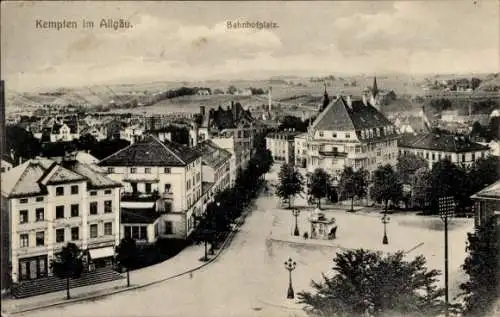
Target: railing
pixel 140 196
pixel 332 153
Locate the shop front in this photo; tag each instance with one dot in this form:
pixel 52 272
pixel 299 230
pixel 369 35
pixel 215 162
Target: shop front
pixel 33 268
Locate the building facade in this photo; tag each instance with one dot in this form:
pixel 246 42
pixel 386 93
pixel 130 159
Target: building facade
pixel 351 133
pixel 161 177
pixel 434 147
pixel 487 204
pixel 300 147
pixel 282 146
pixel 46 204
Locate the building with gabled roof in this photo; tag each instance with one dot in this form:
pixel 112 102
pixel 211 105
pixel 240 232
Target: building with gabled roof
pixel 164 176
pixel 350 133
pixel 487 204
pixel 47 204
pixel 434 147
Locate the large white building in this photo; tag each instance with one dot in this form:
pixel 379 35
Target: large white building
pixel 351 133
pixel 434 147
pixel 300 148
pixel 46 204
pixel 162 188
pixel 282 146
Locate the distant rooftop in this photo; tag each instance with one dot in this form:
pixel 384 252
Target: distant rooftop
pixel 440 142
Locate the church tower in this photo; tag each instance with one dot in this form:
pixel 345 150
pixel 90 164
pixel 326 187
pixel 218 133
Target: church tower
pixel 326 99
pixel 374 95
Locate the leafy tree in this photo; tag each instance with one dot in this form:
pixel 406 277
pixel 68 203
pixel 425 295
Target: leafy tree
pixel 68 264
pixel 290 183
pixel 231 90
pixel 206 232
pixel 447 179
pixel 484 172
pixel 421 186
pixel 369 283
pixel 319 184
pixel 482 265
pixel 353 184
pixel 107 147
pixel 407 165
pixel 293 122
pixel 22 143
pixel 126 255
pixel 87 142
pixel 386 186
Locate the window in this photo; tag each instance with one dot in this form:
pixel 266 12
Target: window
pixel 111 170
pixel 147 170
pixel 135 232
pixel 128 231
pixel 334 135
pixel 347 135
pixel 143 233
pixel 427 155
pixel 463 157
pixel 108 228
pixel 59 191
pixel 75 210
pixel 168 187
pixel 40 239
pixel 74 190
pixel 39 199
pixel 93 193
pixel 59 212
pixel 59 235
pixel 168 227
pixel 108 207
pixel 107 192
pixel 433 156
pixel 148 187
pixel 23 201
pixel 23 216
pixel 75 234
pixel 93 208
pixel 24 240
pixel 473 156
pixel 133 170
pixel 40 215
pixel 321 134
pixel 166 170
pixel 93 231
pixel 482 154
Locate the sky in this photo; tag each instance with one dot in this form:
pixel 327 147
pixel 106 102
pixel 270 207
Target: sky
pixel 173 41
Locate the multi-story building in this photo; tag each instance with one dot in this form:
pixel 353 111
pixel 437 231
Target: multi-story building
pixel 282 146
pixel 434 147
pixel 300 146
pixel 162 185
pixel 235 124
pixel 47 204
pixel 216 169
pixel 487 204
pixel 351 133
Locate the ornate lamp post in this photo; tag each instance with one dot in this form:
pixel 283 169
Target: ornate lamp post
pixel 446 207
pixel 290 266
pixel 385 220
pixel 296 213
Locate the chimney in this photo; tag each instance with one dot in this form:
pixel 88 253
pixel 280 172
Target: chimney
pixel 365 102
pixel 269 98
pixel 202 111
pixel 349 101
pixel 234 110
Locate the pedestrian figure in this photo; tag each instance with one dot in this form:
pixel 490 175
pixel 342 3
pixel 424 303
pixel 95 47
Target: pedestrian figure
pixel 190 274
pixel 306 235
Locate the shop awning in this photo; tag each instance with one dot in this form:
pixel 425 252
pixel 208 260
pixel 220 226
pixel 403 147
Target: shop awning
pixel 101 253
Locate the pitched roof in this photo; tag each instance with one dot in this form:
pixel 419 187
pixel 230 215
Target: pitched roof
pixel 212 155
pixel 490 192
pixel 32 177
pixel 440 142
pixel 150 151
pixel 338 116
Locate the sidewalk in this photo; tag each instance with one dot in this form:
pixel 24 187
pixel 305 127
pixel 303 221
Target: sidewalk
pixel 187 261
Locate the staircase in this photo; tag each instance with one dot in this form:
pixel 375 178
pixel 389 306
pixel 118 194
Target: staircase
pixel 54 284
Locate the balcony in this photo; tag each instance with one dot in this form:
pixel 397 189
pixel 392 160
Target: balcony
pixel 140 197
pixel 332 153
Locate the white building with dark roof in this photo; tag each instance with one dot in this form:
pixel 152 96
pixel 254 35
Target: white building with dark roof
pixel 434 147
pixel 282 146
pixel 351 133
pixel 162 178
pixel 47 204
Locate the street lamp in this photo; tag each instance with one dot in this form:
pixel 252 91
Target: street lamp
pixel 385 220
pixel 446 206
pixel 290 266
pixel 296 213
